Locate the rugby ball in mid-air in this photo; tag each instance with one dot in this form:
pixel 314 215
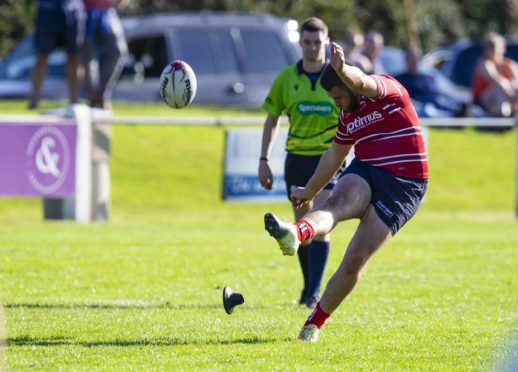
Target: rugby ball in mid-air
pixel 178 84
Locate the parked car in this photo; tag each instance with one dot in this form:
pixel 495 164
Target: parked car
pixel 393 60
pixel 235 56
pixel 457 61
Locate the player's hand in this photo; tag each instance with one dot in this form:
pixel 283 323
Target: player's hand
pixel 265 175
pixel 337 59
pixel 300 196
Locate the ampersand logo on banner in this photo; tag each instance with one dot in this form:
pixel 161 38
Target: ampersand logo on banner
pixel 48 154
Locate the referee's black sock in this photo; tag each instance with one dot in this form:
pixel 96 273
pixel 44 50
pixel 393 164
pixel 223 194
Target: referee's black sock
pixel 303 254
pixel 318 253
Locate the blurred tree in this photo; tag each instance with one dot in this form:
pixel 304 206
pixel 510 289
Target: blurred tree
pixel 18 18
pixel 438 22
pixel 482 16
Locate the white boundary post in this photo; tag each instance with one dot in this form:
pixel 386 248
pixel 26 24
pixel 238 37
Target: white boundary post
pixel 83 198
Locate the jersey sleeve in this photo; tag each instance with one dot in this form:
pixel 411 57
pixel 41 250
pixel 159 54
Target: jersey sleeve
pixel 387 87
pixel 341 137
pixel 274 102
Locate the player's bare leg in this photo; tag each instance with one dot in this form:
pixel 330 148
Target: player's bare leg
pixel 371 234
pixel 350 199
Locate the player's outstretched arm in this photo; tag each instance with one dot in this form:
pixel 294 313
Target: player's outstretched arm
pixel 327 167
pixel 352 76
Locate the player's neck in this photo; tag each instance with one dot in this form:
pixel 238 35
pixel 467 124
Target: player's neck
pixel 313 66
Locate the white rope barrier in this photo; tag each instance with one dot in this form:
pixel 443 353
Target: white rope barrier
pixel 107 118
pixel 101 116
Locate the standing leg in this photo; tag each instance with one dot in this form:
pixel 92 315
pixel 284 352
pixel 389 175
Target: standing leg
pixel 38 74
pixel 115 48
pixel 73 72
pixel 91 67
pixel 371 234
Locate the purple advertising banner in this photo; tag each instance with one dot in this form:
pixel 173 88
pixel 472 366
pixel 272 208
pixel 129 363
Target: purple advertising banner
pixel 37 159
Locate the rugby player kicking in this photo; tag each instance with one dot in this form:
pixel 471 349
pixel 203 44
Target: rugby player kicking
pixel 382 187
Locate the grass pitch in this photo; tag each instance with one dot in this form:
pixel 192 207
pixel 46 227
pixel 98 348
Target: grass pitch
pixel 143 291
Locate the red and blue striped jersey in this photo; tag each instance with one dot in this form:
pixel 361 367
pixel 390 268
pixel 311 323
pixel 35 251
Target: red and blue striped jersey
pixel 385 131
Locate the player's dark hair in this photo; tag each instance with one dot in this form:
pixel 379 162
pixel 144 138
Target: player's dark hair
pixel 330 79
pixel 314 24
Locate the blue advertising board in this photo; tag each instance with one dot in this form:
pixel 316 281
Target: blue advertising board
pixel 242 152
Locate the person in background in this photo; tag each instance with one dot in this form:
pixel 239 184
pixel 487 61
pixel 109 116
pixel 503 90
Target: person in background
pixel 104 50
pixel 59 23
pixel 313 117
pixel 495 79
pixel 372 47
pixel 352 44
pixel 428 100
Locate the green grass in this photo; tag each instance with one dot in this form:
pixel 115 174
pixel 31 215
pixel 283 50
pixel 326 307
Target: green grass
pixel 143 291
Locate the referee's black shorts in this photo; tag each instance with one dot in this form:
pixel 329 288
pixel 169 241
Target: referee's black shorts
pixel 298 169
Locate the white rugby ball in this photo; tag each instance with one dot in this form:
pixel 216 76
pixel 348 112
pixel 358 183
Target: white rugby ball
pixel 178 84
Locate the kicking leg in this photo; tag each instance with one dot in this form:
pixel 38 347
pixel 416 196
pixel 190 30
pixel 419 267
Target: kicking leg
pixel 350 199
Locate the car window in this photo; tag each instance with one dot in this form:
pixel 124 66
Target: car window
pixel 195 47
pixel 208 51
pixel 225 51
pixel 148 55
pixel 263 50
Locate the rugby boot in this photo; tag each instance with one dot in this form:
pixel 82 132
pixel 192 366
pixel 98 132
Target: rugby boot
pixel 309 333
pixel 284 232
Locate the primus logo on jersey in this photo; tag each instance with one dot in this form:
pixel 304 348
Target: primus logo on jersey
pixel 362 121
pixel 315 108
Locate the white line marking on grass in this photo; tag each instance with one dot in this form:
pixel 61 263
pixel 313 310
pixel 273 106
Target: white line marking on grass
pixel 124 303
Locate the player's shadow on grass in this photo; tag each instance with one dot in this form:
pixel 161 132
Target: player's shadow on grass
pixel 162 341
pixel 114 305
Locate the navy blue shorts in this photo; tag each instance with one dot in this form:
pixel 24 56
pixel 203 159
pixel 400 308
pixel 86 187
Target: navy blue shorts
pixel 298 169
pixel 395 199
pixel 60 23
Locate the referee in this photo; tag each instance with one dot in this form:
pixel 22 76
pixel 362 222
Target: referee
pixel 313 118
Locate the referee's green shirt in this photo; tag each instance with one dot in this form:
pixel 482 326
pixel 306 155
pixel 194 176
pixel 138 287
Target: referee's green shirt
pixel 313 115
